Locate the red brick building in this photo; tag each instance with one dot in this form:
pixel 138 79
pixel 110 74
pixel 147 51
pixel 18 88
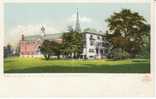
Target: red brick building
pixel 29 45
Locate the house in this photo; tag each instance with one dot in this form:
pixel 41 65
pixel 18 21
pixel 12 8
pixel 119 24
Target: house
pixel 93 46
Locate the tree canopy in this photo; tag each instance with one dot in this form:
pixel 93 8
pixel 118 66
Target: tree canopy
pixel 49 48
pixel 72 44
pixel 126 30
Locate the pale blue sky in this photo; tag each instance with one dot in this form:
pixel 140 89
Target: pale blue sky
pixel 27 17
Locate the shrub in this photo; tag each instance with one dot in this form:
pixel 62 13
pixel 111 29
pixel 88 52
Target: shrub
pixel 118 53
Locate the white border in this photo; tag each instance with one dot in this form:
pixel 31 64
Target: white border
pixel 78 1
pixel 77 84
pixel 1 36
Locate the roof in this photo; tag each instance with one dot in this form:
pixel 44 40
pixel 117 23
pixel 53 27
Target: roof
pixel 53 36
pixel 47 36
pixel 94 33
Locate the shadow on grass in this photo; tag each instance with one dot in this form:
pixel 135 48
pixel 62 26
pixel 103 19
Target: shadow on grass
pixel 87 68
pixel 139 60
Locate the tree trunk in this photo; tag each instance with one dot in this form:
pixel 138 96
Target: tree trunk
pixel 47 56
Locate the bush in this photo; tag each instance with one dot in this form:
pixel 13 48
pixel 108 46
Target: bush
pixel 118 53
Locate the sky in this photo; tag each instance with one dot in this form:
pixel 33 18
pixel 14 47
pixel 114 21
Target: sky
pixel 27 18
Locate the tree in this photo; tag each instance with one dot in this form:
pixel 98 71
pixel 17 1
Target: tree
pixel 72 44
pixel 49 48
pixel 56 48
pixel 70 29
pixel 144 53
pixel 8 50
pixel 45 49
pixel 126 30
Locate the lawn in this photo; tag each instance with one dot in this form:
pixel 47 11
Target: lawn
pixel 39 65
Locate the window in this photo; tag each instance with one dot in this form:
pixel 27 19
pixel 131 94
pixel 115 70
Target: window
pixel 33 42
pixel 91 50
pixel 103 44
pixel 106 50
pixel 91 42
pixel 98 37
pixel 91 36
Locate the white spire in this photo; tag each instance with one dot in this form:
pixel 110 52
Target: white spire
pixel 77 25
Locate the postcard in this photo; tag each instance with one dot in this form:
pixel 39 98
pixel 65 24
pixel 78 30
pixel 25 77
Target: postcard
pixel 80 46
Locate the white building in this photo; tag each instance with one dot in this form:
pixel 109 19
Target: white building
pixel 93 46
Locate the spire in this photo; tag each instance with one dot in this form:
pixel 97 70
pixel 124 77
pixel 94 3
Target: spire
pixel 77 25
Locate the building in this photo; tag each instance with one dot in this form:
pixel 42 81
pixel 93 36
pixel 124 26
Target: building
pixel 93 46
pixel 29 45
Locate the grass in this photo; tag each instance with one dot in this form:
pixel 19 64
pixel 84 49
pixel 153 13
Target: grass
pixel 39 65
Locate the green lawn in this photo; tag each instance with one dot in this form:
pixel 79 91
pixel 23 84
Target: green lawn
pixel 39 65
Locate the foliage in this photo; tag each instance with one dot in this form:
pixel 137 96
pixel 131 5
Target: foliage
pixel 56 48
pixel 118 53
pixel 145 51
pixel 71 47
pixel 126 30
pixel 72 44
pixel 49 48
pixel 8 50
pixel 45 49
pixel 70 29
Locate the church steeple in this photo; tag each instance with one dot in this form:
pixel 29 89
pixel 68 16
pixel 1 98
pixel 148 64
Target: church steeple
pixel 77 25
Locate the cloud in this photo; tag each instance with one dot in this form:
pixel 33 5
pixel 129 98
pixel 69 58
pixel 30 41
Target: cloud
pixel 83 19
pixel 35 29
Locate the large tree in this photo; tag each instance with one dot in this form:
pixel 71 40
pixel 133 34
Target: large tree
pixel 126 30
pixel 49 48
pixel 72 43
pixel 45 49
